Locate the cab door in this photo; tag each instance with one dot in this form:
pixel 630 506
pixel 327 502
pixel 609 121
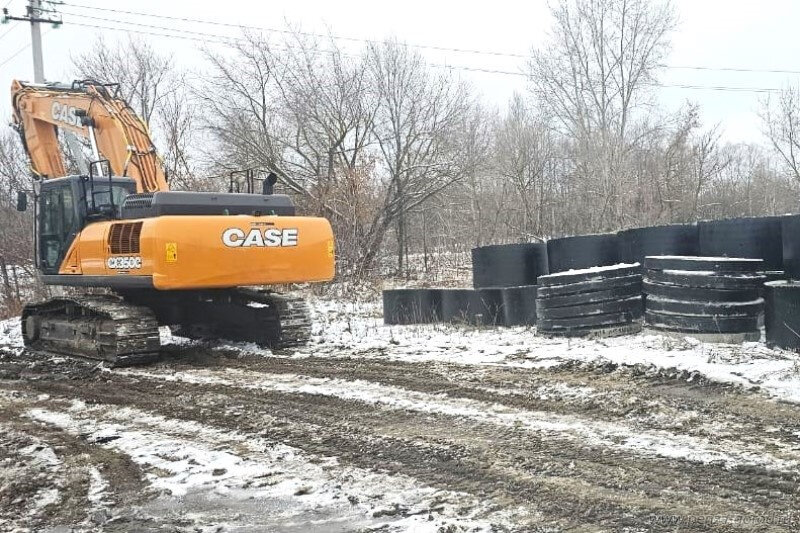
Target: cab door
pixel 59 223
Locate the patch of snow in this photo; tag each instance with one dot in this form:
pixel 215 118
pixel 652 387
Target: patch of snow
pixel 98 486
pixel 41 453
pixel 11 333
pixel 564 391
pixel 356 330
pixel 708 304
pixel 783 283
pixel 244 348
pixel 97 496
pixel 77 405
pixel 43 498
pixel 590 270
pixel 706 258
pixel 168 338
pixel 743 276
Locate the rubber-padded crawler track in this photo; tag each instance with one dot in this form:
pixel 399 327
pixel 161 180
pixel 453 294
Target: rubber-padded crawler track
pixel 103 327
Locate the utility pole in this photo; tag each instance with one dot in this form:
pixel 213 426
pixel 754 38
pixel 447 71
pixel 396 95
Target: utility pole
pixel 36 15
pixel 34 7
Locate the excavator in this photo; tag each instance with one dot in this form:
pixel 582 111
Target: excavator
pixel 134 256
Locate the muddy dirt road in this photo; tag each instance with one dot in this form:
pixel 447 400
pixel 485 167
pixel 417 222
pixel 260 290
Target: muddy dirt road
pixel 214 440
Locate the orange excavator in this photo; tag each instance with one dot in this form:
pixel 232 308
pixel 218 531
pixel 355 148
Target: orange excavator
pixel 197 262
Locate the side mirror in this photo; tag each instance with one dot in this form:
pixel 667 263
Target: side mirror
pixel 269 183
pixel 22 201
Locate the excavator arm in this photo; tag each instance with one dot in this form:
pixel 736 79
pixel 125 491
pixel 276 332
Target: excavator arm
pixel 89 110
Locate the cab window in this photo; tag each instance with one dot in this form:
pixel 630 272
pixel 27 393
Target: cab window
pixel 102 201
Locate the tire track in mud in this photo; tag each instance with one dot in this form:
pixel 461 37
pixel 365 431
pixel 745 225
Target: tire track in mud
pixel 70 486
pixel 203 466
pixel 678 401
pixel 573 485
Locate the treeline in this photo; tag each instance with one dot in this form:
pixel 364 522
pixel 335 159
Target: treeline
pixel 407 160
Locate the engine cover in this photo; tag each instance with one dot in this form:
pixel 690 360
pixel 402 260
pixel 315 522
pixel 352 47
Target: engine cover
pixel 147 205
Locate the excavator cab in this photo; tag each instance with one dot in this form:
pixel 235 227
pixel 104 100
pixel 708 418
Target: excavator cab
pixel 65 205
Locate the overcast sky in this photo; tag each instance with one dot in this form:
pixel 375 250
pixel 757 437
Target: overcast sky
pixel 712 33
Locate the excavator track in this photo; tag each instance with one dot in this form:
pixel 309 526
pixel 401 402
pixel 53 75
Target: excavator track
pixel 103 327
pixel 247 315
pixel 293 316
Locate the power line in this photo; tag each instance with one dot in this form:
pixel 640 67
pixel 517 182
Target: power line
pixel 420 46
pixel 218 39
pixel 18 52
pixel 733 69
pixel 150 26
pixel 307 34
pixel 722 88
pixel 664 85
pixel 222 39
pixel 15 54
pixel 203 37
pixel 13 27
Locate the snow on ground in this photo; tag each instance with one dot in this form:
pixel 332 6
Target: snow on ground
pixel 32 455
pixel 344 329
pixel 11 334
pixel 98 490
pixel 357 330
pixel 184 458
pixel 621 436
pixel 43 456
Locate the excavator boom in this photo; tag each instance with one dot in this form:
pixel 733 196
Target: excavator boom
pixel 91 111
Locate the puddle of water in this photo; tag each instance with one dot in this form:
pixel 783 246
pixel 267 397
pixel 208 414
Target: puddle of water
pixel 246 511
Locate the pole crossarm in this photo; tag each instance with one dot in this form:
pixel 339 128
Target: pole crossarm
pixel 34 16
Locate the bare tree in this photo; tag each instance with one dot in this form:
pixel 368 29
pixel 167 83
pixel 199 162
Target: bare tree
pixel 595 76
pixel 146 78
pixel 16 229
pixel 300 109
pixel 416 125
pixel 782 127
pixel 176 123
pixel 525 150
pixel 152 84
pixel 478 133
pixel 600 64
pixel 707 163
pixel 363 140
pixel 243 109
